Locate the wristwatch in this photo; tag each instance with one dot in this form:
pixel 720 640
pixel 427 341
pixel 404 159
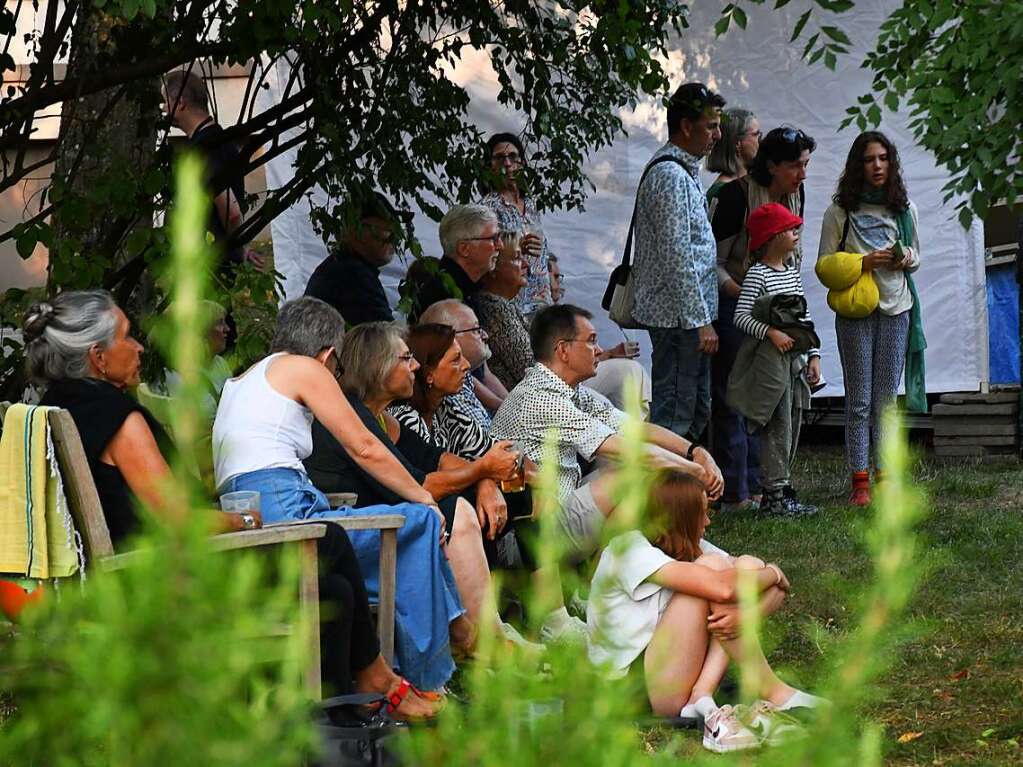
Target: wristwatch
pixel 248 521
pixel 691 451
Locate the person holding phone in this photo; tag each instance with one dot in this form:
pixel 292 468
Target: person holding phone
pixel 871 213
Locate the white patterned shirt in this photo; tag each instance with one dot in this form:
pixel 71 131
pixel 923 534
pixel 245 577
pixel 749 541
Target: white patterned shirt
pixel 542 402
pixel 675 256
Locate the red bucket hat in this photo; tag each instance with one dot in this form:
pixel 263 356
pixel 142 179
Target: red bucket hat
pixel 769 220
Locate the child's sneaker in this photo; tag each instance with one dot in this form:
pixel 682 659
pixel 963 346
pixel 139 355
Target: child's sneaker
pixel 723 732
pixel 774 727
pixel 795 508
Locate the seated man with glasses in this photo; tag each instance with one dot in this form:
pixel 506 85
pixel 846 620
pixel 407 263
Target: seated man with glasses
pixel 349 278
pixel 470 237
pixel 564 343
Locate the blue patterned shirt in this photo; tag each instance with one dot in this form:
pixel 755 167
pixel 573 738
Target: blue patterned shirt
pixel 675 255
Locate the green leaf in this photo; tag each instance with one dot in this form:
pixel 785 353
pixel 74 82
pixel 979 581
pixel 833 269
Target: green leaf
pixel 966 218
pixel 26 243
pixel 740 16
pixel 722 25
pixel 781 3
pixel 836 34
pixel 799 26
pixel 830 61
pixel 891 100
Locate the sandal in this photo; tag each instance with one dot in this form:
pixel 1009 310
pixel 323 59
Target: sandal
pixel 394 699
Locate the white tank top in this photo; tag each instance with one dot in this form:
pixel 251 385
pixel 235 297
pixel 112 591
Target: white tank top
pixel 257 427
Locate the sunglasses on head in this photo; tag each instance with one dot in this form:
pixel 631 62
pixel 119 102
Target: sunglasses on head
pixel 792 135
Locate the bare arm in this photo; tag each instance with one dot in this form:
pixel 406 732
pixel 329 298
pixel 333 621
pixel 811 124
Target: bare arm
pixel 454 474
pixel 613 446
pixel 228 211
pixel 311 384
pixel 134 452
pixel 670 441
pixel 718 586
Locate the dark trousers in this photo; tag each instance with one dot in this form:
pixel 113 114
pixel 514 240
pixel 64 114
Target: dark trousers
pixel 680 382
pixel 348 639
pixel 736 452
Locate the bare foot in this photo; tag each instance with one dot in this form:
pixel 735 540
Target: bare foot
pixel 379 678
pixel 463 634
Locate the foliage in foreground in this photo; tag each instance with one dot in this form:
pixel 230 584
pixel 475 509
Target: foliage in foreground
pixel 571 714
pixel 170 660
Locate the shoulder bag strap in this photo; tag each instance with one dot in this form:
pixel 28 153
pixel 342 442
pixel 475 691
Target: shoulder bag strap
pixel 627 255
pixel 845 233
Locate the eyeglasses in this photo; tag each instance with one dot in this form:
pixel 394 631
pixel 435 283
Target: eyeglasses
pixel 476 331
pixel 792 135
pixel 758 133
pixel 591 341
pixel 494 240
pixel 501 158
pixel 407 358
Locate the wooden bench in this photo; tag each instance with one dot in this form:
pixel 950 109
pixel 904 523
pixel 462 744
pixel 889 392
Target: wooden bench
pixel 87 513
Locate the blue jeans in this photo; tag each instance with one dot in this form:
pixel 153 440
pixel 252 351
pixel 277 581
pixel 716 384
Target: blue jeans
pixel 426 599
pixel 735 451
pixel 680 382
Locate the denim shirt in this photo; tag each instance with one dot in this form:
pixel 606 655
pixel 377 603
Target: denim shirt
pixel 675 255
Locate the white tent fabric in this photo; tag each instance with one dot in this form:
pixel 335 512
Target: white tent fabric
pixel 756 69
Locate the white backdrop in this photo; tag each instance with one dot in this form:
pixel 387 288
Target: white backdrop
pixel 756 69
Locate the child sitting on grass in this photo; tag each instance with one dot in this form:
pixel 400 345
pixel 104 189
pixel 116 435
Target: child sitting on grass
pixel 670 596
pixel 773 238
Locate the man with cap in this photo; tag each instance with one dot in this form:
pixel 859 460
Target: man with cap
pixel 349 278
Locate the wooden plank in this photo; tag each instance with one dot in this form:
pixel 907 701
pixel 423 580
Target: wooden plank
pixel 337 500
pixel 79 486
pixel 942 411
pixel 971 450
pixel 388 587
pixel 978 439
pixel 268 536
pixel 309 600
pixel 970 427
pixel 991 398
pixel 368 522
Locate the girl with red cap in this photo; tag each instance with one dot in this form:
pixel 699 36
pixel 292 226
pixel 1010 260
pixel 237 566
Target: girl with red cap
pixel 773 240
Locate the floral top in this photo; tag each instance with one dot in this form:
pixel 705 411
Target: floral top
pixel 675 259
pixel 511 353
pixel 537 293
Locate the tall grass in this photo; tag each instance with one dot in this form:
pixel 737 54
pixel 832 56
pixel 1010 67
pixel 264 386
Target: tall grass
pixel 166 661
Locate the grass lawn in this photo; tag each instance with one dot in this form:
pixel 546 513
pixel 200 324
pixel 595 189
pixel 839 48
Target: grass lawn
pixel 954 690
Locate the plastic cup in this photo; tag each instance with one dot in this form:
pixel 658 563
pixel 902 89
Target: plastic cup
pixel 240 500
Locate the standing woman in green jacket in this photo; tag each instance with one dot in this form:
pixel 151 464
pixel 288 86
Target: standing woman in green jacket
pixel 871 214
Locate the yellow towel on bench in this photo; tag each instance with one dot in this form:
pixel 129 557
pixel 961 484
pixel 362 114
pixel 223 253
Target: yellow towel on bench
pixel 37 536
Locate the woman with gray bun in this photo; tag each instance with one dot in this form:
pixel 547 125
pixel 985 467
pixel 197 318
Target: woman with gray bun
pixel 79 346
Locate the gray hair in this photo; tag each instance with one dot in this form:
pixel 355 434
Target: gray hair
pixel 59 333
pixel 445 312
pixel 463 222
pixel 307 326
pixel 367 357
pixel 724 157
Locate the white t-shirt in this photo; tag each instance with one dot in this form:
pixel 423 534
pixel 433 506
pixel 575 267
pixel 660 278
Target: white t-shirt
pixel 624 607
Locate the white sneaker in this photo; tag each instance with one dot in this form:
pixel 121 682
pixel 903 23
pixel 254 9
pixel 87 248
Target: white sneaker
pixel 723 732
pixel 512 635
pixel 774 727
pixel 571 630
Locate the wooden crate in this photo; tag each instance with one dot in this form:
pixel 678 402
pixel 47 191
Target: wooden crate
pixel 971 424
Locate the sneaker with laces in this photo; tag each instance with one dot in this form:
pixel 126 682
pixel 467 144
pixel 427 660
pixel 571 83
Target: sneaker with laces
pixel 724 732
pixel 510 633
pixel 571 630
pixel 796 508
pixel 772 726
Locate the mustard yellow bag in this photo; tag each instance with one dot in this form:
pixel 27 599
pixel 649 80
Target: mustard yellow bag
pixel 838 271
pixel 852 293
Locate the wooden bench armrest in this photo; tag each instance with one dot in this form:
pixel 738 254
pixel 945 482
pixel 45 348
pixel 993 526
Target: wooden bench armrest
pixel 370 522
pixel 243 539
